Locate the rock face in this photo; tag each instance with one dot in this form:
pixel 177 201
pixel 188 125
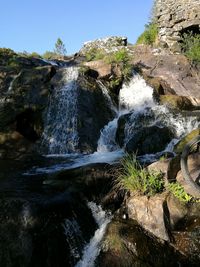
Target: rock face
pixel 176 17
pixel 150 213
pixel 25 87
pixel 167 73
pixel 149 140
pixel 107 44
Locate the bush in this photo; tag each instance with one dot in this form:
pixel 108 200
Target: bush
pixel 191 46
pixel 149 36
pixel 94 54
pixel 135 178
pixel 179 192
pixel 7 52
pixel 49 55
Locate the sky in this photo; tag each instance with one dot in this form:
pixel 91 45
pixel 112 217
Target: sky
pixel 35 25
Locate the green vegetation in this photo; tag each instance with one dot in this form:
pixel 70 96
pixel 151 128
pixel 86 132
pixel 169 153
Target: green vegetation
pixel 94 54
pixel 149 36
pixel 179 192
pixel 120 57
pixel 191 46
pixel 49 55
pixel 135 178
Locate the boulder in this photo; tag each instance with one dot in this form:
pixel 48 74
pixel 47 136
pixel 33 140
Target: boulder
pixel 108 44
pixel 149 140
pixel 104 69
pixel 176 102
pixel 150 213
pixel 24 97
pixel 127 244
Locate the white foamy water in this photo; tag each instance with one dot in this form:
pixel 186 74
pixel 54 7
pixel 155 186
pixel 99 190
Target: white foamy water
pixel 60 129
pixel 92 249
pixel 135 95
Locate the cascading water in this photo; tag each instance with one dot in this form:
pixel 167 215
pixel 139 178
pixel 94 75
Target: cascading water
pixel 60 129
pixel 136 99
pixel 134 95
pixel 92 249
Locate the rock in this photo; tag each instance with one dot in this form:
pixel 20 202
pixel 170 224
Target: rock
pixel 120 134
pixel 174 18
pixel 149 140
pixel 104 69
pixel 108 44
pixel 127 244
pixel 94 112
pixel 25 89
pixel 160 166
pixel 150 214
pixel 177 211
pixel 176 102
pixel 173 72
pixel 181 144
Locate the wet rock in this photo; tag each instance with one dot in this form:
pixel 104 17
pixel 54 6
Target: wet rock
pixel 127 244
pixel 176 102
pixel 22 107
pixel 149 140
pixel 94 112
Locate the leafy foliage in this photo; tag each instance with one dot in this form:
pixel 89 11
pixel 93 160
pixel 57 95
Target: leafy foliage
pixel 179 192
pixel 60 47
pixel 191 46
pixel 135 178
pixel 149 36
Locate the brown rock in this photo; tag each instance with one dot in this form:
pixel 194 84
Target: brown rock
pixel 150 213
pixel 103 69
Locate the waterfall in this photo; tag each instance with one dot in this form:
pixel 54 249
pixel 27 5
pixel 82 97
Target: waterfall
pixel 136 99
pixel 134 95
pixel 60 130
pixel 92 249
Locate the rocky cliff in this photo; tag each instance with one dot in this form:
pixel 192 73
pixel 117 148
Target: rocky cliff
pixel 175 17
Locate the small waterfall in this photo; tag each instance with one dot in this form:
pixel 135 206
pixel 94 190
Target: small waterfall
pixel 135 95
pixel 92 250
pixel 60 129
pixel 136 99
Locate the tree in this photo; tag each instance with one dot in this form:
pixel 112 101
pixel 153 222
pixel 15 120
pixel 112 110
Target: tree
pixel 60 47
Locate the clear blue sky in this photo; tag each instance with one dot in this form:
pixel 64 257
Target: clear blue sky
pixel 35 25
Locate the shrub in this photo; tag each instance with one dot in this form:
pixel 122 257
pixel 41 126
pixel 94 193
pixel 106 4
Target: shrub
pixel 94 54
pixel 149 36
pixel 49 55
pixel 135 178
pixel 7 52
pixel 191 46
pixel 179 192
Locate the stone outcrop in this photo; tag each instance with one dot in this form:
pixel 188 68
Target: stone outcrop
pixel 108 44
pixel 174 17
pixel 167 73
pixel 25 87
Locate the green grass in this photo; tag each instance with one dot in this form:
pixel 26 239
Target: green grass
pixel 191 46
pixel 135 178
pixel 149 36
pixel 179 192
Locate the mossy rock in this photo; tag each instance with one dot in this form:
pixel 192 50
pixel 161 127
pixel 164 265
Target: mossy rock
pixel 176 102
pixel 181 144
